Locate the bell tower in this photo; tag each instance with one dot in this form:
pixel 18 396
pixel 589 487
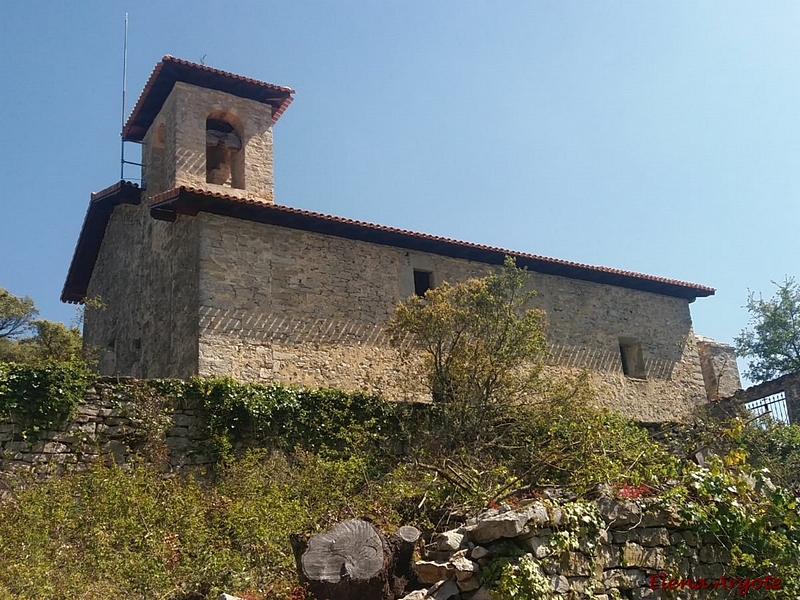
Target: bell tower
pixel 206 129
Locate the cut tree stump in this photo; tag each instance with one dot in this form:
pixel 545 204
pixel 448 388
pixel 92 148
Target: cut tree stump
pixel 348 561
pixel 353 560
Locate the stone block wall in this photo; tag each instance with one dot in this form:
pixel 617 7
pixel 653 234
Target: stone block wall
pixel 113 423
pixel 720 371
pixel 214 295
pixel 310 309
pixel 146 276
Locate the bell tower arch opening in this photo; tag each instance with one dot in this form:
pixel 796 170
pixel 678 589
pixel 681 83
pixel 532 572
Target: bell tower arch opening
pixel 224 150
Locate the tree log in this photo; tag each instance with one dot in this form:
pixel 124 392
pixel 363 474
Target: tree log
pixel 349 561
pixel 401 545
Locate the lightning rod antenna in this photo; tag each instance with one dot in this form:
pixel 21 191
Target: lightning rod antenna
pixel 124 85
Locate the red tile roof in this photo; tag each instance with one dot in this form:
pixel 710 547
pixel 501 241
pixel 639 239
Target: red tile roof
pixel 101 206
pixel 190 201
pixel 170 69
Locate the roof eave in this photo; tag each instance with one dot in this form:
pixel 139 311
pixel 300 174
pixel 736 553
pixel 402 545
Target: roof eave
pixel 101 206
pixel 169 70
pixel 191 202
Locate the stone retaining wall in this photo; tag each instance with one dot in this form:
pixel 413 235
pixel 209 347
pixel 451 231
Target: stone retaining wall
pixel 114 422
pixel 637 543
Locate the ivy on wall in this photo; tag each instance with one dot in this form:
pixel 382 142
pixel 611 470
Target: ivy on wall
pixel 285 417
pixel 273 415
pixel 43 396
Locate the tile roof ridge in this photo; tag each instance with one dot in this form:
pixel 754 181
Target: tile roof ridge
pixel 175 73
pixel 114 187
pixel 231 74
pixel 436 238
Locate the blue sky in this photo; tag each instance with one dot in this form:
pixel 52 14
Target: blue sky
pixel 659 137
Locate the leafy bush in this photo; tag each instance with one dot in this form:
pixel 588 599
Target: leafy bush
pixel 111 532
pixel 133 533
pixel 499 424
pixel 758 522
pixel 580 447
pixel 482 346
pixel 775 447
pixel 512 579
pixel 564 442
pixel 745 496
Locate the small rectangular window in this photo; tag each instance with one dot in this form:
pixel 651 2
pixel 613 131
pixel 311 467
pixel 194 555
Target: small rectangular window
pixel 422 282
pixel 630 351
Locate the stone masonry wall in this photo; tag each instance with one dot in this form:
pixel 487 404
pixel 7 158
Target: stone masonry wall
pixel 112 423
pixel 720 372
pixel 310 309
pixel 641 551
pixel 146 276
pixel 183 160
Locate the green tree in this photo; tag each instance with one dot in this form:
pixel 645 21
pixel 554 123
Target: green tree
pixel 50 341
pixel 47 340
pixel 499 423
pixel 772 339
pixel 56 341
pixel 13 351
pixel 16 314
pixel 483 349
pixel 480 342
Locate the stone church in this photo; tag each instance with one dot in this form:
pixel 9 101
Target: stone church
pixel 201 272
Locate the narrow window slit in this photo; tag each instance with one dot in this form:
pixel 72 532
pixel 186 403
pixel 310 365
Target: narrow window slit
pixel 630 351
pixel 423 281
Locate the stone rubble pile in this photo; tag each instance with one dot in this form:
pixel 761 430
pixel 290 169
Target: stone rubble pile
pixel 633 543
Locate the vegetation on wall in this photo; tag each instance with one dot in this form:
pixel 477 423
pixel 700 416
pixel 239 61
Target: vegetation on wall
pixel 563 442
pixel 40 397
pixel 133 533
pixel 331 455
pixel 755 520
pixel 284 417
